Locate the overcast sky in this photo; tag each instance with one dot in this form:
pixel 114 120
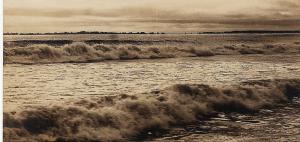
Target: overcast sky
pixel 150 15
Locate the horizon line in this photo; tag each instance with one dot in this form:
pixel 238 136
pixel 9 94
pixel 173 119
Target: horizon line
pixel 101 32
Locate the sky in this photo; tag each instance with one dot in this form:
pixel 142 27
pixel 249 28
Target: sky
pixel 150 15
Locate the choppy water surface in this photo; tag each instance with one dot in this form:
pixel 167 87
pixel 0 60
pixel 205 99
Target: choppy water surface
pixel 205 38
pixel 51 84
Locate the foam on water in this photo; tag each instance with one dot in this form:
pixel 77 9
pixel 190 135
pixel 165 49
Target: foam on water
pixel 126 117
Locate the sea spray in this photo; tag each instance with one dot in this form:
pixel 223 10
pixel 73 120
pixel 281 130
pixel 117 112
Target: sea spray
pixel 127 117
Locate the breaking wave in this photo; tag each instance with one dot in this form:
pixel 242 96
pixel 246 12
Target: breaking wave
pixel 133 117
pixel 77 52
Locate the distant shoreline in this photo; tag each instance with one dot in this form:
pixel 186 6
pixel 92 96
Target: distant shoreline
pixel 225 32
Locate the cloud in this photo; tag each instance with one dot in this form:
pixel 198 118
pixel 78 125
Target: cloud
pixel 288 4
pixel 157 15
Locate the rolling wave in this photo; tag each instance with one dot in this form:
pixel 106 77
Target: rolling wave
pixel 95 51
pixel 133 117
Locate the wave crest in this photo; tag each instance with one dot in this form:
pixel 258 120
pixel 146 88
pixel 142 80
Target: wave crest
pixel 78 52
pixel 125 117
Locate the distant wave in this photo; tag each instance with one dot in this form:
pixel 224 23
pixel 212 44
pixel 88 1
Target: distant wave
pixel 95 51
pixel 81 52
pixel 132 117
pixel 24 43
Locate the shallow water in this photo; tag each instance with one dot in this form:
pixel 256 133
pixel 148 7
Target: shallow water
pixel 276 125
pixel 53 84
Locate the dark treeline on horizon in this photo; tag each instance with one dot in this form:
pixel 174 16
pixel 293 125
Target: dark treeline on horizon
pixel 251 32
pixel 82 32
pixel 96 32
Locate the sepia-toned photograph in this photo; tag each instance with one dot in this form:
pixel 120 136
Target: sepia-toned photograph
pixel 151 71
